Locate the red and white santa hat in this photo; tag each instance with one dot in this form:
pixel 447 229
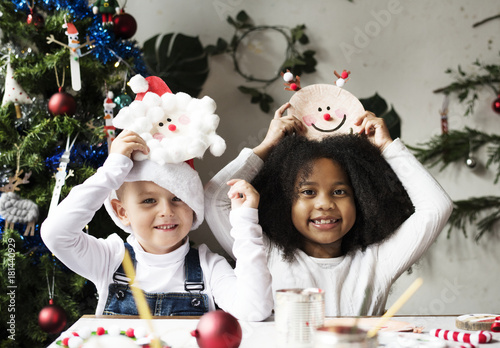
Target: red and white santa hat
pixel 180 178
pixel 108 102
pixel 70 29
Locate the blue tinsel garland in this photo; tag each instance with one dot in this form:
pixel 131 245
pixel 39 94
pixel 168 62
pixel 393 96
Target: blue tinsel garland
pixel 80 155
pixel 105 42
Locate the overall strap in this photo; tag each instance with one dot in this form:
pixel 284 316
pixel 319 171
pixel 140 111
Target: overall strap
pixel 119 276
pixel 193 272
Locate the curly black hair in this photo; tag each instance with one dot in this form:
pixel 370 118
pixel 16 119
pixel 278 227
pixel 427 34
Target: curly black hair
pixel 382 203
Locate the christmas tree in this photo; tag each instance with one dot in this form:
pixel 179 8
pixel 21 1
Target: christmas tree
pixel 61 63
pixel 478 214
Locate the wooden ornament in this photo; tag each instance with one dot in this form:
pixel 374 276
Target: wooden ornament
pixel 475 322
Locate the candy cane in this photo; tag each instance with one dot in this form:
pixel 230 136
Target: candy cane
pixel 458 336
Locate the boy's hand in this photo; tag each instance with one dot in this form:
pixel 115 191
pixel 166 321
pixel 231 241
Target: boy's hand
pixel 242 194
pixel 280 127
pixel 375 129
pixel 127 143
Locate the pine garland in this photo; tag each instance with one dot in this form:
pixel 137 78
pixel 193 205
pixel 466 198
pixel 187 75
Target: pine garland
pixel 456 145
pixel 469 212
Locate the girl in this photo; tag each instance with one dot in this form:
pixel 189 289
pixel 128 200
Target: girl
pixel 334 212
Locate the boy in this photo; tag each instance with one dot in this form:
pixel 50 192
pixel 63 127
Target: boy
pixel 159 205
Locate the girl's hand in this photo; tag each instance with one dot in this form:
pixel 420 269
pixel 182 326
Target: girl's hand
pixel 374 128
pixel 280 127
pixel 127 143
pixel 242 194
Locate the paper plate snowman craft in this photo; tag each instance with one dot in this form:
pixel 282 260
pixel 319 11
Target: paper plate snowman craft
pixel 324 109
pixel 176 127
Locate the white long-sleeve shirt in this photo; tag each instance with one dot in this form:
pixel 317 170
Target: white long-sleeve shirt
pixel 348 278
pixel 244 292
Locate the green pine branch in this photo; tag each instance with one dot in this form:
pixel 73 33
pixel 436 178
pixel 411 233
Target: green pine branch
pixel 484 212
pixel 455 146
pixel 467 84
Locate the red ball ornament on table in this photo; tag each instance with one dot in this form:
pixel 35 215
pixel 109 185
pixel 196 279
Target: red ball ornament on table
pixel 52 318
pixel 62 103
pixel 496 105
pixel 218 329
pixel 124 26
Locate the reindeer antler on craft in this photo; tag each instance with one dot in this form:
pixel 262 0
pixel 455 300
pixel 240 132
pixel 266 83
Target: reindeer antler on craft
pixel 342 78
pixel 291 83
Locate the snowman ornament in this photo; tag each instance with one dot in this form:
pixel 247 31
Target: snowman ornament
pixel 109 129
pixel 75 53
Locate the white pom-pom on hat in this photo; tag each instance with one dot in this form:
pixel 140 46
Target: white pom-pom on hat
pixel 138 84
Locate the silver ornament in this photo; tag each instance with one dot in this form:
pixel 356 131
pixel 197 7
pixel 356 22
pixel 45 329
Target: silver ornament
pixel 471 162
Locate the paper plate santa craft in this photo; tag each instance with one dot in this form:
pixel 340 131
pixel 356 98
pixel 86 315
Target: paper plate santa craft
pixel 176 127
pixel 324 109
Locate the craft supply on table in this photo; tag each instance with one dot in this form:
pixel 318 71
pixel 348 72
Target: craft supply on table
pixel 396 306
pixel 393 325
pixel 475 322
pixel 416 340
pixel 298 313
pixel 343 337
pixel 473 338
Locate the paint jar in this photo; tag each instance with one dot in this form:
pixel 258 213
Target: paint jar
pixel 298 312
pixel 343 337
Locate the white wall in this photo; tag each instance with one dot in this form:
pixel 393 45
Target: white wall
pixel 403 58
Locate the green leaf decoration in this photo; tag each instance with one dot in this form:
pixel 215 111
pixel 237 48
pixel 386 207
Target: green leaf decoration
pixel 247 90
pixel 379 107
pixel 180 60
pixel 243 17
pixel 294 60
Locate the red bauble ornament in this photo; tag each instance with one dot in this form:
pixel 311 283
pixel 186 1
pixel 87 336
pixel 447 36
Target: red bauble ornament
pixel 124 26
pixel 496 105
pixel 36 19
pixel 218 329
pixel 62 103
pixel 52 318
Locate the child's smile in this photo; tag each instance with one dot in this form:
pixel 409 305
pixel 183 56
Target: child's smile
pixel 325 223
pixel 324 210
pixel 159 219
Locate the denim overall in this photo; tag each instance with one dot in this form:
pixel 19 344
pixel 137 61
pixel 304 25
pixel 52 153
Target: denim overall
pixel 192 302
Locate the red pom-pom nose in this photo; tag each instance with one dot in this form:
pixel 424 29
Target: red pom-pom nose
pixel 293 86
pixel 172 127
pixel 327 117
pixel 344 74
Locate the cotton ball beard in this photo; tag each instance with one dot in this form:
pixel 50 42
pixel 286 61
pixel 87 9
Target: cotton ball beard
pixel 176 127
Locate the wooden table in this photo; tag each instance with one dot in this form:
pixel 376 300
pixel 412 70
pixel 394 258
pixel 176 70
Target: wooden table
pixel 176 330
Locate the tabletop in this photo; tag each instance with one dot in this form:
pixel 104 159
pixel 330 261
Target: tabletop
pixel 176 331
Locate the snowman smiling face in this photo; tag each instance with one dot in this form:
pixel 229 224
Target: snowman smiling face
pixel 325 110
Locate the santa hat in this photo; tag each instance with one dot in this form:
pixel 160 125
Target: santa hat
pixel 178 178
pixel 140 86
pixel 108 102
pixel 70 29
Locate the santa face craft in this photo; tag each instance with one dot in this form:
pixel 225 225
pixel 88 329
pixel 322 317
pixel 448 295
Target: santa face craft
pixel 324 109
pixel 176 127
